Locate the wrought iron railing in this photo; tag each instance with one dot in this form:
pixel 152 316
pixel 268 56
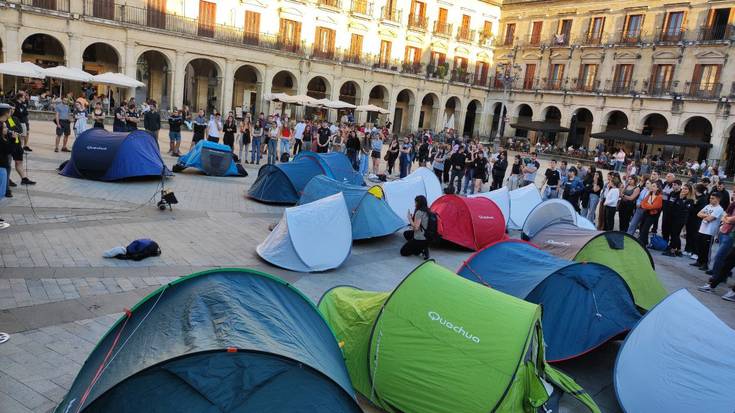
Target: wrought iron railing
pixel 55 5
pixel 442 29
pixel 703 90
pixel 390 14
pixel 418 22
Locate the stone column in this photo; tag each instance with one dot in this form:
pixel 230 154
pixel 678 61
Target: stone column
pixel 227 86
pixel 361 117
pixel 414 115
pixel 130 66
pixel 719 139
pixel 74 55
pixel 177 89
pixel 12 47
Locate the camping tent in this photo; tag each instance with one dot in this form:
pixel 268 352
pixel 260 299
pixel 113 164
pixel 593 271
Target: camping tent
pixel 212 159
pixel 401 193
pixel 110 156
pixel 224 340
pixel 370 214
pixel 284 182
pixel 312 237
pixel 501 197
pixel 550 212
pixel 440 344
pixel 522 202
pixel 617 250
pixel 679 358
pixel 469 222
pixel 585 305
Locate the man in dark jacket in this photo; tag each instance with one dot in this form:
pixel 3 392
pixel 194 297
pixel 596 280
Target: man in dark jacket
pixel 353 148
pixel 152 120
pixel 498 171
pixel 457 161
pixel 21 113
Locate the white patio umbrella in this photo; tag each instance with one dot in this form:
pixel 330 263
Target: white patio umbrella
pixel 22 69
pixel 117 79
pixel 305 100
pixel 67 73
pixel 372 108
pixel 336 104
pixel 276 97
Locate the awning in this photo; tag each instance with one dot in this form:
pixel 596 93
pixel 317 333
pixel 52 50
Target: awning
pixel 117 79
pixel 372 108
pixel 620 135
pixel 335 104
pixel 22 69
pixel 68 73
pixel 679 140
pixel 671 139
pixel 540 126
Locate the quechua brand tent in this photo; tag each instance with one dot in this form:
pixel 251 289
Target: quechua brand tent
pixel 501 197
pixel 111 156
pixel 550 212
pixel 401 193
pixel 522 202
pixel 617 250
pixel 679 358
pixel 283 183
pixel 312 237
pixel 431 184
pixel 441 344
pixel 469 222
pixel 211 158
pixel 370 214
pixel 225 340
pixel 585 304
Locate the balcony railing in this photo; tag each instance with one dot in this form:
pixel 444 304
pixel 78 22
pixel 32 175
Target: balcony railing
pixel 621 87
pixel 530 84
pixel 480 80
pixel 584 85
pixel 418 22
pixel 466 35
pixel 533 39
pixel 486 39
pixel 460 75
pixel 554 84
pixel 659 89
pixel 630 37
pixel 560 39
pixel 442 29
pixel 56 5
pixel 593 38
pixel 412 68
pixel 716 33
pixel 330 4
pixel 323 54
pixel 390 14
pixel 704 90
pixel 361 8
pixel 505 41
pixel 670 36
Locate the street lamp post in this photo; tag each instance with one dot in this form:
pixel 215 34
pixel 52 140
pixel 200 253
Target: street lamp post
pixel 509 74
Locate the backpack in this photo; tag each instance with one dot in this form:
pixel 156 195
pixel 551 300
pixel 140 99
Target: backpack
pixel 142 248
pixel 285 157
pixel 658 243
pixel 431 232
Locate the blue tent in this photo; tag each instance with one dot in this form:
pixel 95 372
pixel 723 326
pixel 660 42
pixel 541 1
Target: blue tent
pixel 211 158
pixel 283 183
pixel 584 304
pixel 110 156
pixel 370 215
pixel 224 340
pixel 679 358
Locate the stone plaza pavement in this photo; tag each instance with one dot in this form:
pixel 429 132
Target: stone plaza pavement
pixel 58 296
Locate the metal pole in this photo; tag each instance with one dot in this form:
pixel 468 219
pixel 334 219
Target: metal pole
pixel 496 141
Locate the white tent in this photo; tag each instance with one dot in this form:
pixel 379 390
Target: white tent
pixel 312 237
pixel 117 79
pixel 22 69
pixel 501 197
pixel 679 358
pixel 431 183
pixel 553 211
pixel 372 108
pixel 400 194
pixel 522 202
pixel 68 73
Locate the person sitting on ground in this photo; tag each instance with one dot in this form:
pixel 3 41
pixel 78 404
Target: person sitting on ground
pixel 416 242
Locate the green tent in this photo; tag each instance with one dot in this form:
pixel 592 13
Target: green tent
pixel 441 343
pixel 617 250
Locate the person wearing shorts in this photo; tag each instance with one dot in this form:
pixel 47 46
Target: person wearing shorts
pixel 12 125
pixel 174 132
pixel 21 113
pixel 63 125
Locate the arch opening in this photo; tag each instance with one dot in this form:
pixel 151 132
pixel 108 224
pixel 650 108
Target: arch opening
pixel 154 69
pixel 472 119
pixel 246 90
pixel 201 85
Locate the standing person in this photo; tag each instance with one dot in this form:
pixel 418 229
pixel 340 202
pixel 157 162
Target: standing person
pixel 392 154
pixel 644 187
pixel 271 131
pixel 132 117
pixel 651 206
pixel 438 164
pixel 469 170
pixel 724 194
pixel 710 215
pixel 118 122
pixel 214 127
pixel 612 196
pixel 595 190
pixel 498 171
pixel 175 120
pixel 14 132
pixel 308 135
pixel 246 133
pixel 188 117
pixel 229 129
pixel 255 152
pixel 573 188
pixel 353 149
pixel 298 136
pixel 21 113
pixel 405 157
pixel 480 175
pixel 98 116
pixel 529 170
pixel 285 140
pixel 681 204
pixel 63 124
pixel 667 189
pixel 323 137
pixel 152 120
pixel 80 119
pixel 694 221
pixel 416 242
pixel 626 207
pixel 457 159
pixel 423 151
pixel 551 181
pixel 376 149
pixel 514 180
pixel 619 160
pixel 199 126
pixel 724 239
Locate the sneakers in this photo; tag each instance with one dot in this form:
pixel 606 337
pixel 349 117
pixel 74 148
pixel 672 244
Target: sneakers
pixel 706 288
pixel 687 253
pixel 694 257
pixel 729 296
pixel 27 149
pixel 11 183
pixel 26 181
pixel 56 149
pixel 65 150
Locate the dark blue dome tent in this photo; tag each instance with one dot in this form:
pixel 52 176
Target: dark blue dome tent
pixel 224 340
pixel 211 158
pixel 111 156
pixel 584 304
pixel 283 183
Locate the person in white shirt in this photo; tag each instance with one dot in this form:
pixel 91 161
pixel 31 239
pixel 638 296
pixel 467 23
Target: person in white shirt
pixel 214 127
pixel 711 215
pixel 619 160
pixel 612 196
pixel 298 136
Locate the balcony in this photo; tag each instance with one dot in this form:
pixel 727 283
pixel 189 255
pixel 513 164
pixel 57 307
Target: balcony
pixel 480 80
pixel 533 40
pixel 442 29
pixel 554 84
pixel 390 15
pixel 486 39
pixel 460 75
pixel 55 5
pixel 559 40
pixel 716 33
pixel 323 54
pixel 586 85
pixel 412 68
pixel 530 84
pixel 593 39
pixel 629 37
pixel 620 87
pixel 465 35
pixel 670 36
pixel 703 90
pixel 505 41
pixel 659 89
pixel 330 4
pixel 418 22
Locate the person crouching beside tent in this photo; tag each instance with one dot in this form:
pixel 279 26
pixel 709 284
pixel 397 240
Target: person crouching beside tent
pixel 417 241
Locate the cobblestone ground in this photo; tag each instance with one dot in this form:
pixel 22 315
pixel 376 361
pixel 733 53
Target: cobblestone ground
pixel 58 295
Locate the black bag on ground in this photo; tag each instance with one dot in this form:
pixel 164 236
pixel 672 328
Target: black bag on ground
pixel 142 248
pixel 284 157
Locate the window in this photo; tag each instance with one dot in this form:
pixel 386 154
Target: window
pixel 459 73
pixel 464 30
pixel 535 39
pixel 442 16
pixel 672 30
pixel 529 78
pixel 705 81
pixel 104 9
pixel 481 71
pixel 564 30
pixel 417 17
pixel 207 17
pixel 587 77
pixel 661 79
pixel 412 55
pixel 461 63
pixel 438 58
pixel 156 14
pixel 324 43
pixel 510 32
pixel 252 27
pixel 441 26
pixel 556 76
pixel 622 78
pixel 716 27
pixel 359 7
pixel 632 28
pixel 355 48
pixel 487 30
pixel 594 34
pixel 289 35
pixel 384 57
